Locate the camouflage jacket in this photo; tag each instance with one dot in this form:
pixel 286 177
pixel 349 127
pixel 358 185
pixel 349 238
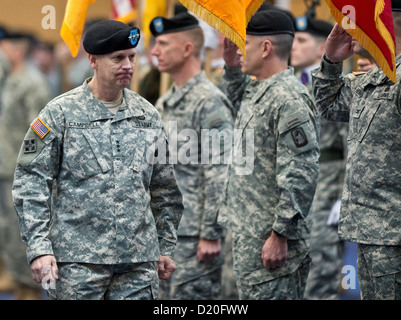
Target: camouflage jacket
pixel 273 187
pixel 370 207
pixel 113 204
pixel 189 112
pixel 25 94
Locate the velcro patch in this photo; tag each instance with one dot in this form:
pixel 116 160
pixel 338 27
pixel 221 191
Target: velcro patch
pixel 299 137
pixel 29 146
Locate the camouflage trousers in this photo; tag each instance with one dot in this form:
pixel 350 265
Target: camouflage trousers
pixel 229 285
pixel 193 280
pixel 254 282
pixel 12 249
pixel 379 272
pixel 82 281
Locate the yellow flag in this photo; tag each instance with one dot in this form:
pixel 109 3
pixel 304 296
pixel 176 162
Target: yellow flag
pixel 229 17
pixel 74 22
pixel 152 9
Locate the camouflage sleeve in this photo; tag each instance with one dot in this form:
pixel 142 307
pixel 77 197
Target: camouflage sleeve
pixel 332 92
pixel 297 167
pixel 217 121
pixel 37 166
pixel 166 202
pixel 234 85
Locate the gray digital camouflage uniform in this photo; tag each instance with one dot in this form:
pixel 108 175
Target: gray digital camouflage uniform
pixel 327 250
pixel 113 205
pixel 25 93
pixel 274 187
pixel 371 198
pixel 188 111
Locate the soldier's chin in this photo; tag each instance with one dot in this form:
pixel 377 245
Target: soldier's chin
pixel 124 81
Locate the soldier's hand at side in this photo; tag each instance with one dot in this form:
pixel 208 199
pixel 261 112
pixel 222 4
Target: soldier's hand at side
pixel 44 266
pixel 166 267
pixel 208 249
pixel 339 45
pixel 230 55
pixel 274 251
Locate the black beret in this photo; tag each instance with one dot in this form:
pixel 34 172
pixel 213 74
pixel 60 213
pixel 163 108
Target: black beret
pixel 313 26
pixel 180 22
pixel 396 5
pixel 110 35
pixel 3 33
pixel 269 22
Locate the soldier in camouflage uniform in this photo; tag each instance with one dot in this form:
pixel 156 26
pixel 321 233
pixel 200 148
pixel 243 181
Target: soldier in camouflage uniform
pixel 370 207
pixel 194 104
pixel 116 210
pixel 25 93
pixel 269 198
pixel 326 248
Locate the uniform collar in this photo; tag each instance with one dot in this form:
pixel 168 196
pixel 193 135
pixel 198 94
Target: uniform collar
pixel 257 88
pixel 97 111
pixel 176 94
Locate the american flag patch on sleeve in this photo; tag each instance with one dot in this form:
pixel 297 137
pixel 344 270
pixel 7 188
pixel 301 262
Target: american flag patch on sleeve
pixel 40 128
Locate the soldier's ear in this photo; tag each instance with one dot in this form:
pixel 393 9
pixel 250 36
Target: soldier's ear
pixel 93 60
pixel 267 47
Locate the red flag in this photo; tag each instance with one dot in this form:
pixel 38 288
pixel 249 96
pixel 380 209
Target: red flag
pixel 370 22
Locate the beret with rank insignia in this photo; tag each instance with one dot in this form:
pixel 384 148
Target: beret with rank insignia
pixel 107 36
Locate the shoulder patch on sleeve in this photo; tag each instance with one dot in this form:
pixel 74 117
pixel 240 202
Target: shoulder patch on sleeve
pixel 299 137
pixel 40 128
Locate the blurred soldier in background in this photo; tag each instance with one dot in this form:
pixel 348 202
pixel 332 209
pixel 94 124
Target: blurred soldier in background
pixel 25 93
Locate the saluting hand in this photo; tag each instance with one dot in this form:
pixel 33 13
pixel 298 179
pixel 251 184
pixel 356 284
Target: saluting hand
pixel 230 55
pixel 339 45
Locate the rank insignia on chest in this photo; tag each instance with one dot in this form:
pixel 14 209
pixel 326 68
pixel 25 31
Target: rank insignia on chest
pixel 30 146
pixel 299 137
pixel 40 128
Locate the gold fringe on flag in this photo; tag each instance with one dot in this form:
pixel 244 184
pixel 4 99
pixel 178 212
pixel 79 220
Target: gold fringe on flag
pixel 233 30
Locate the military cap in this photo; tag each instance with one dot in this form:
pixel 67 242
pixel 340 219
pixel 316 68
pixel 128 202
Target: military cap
pixel 3 33
pixel 110 35
pixel 180 22
pixel 313 26
pixel 270 22
pixel 396 5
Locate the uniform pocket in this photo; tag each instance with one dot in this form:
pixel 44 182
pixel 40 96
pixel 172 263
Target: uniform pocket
pixel 84 155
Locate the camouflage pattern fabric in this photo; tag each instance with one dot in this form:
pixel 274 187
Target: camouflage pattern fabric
pixel 326 247
pixel 25 93
pixel 379 272
pixel 193 280
pixel 81 281
pixel 273 189
pixel 371 105
pixel 188 111
pixel 113 204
